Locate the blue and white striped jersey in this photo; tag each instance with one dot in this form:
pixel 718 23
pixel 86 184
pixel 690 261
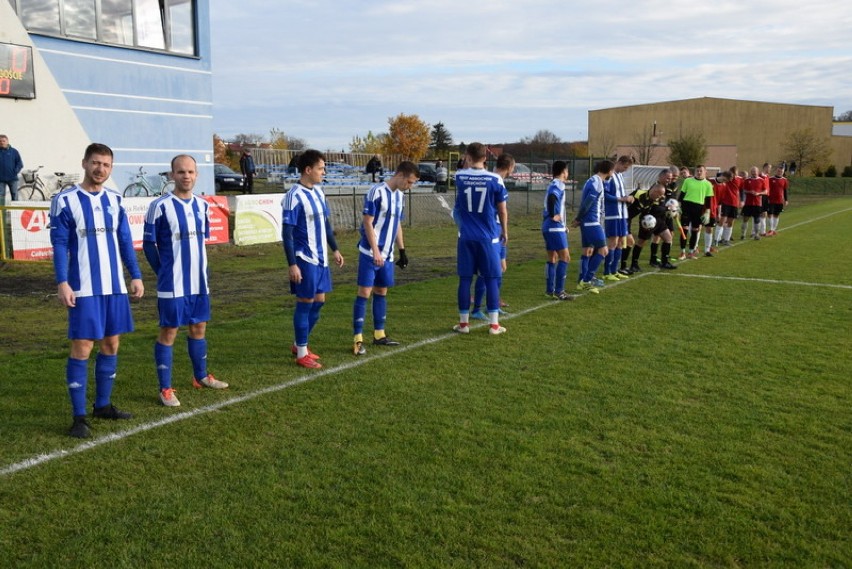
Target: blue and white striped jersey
pixel 593 196
pixel 178 228
pixel 306 210
pixel 614 188
pixel 91 239
pixel 556 188
pixel 385 206
pixel 478 192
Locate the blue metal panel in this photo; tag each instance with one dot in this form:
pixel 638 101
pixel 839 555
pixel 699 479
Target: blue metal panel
pixel 147 105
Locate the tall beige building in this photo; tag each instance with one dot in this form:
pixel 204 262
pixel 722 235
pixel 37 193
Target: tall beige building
pixel 741 133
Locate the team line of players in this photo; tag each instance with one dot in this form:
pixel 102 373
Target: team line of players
pixel 91 241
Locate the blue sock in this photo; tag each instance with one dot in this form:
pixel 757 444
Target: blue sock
pixel 105 367
pixel 380 311
pixel 492 293
pixel 198 356
pixel 594 263
pixel 301 328
pixel 616 261
pixel 561 272
pixel 478 292
pixel 314 317
pixel 608 262
pixel 584 267
pixel 76 376
pixel 550 278
pixel 359 313
pixel 163 360
pixel 464 294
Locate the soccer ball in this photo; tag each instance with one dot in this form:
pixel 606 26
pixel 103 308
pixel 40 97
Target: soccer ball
pixel 672 204
pixel 649 222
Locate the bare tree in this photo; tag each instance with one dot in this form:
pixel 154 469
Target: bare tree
pixel 644 145
pixel 248 139
pixel 606 145
pixel 844 117
pixel 806 149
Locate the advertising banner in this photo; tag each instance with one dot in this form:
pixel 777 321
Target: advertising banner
pixel 258 219
pixel 31 227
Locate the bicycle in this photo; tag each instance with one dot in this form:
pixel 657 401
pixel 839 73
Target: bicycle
pixel 35 188
pixel 142 187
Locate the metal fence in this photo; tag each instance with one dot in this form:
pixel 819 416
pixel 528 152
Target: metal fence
pixel 426 208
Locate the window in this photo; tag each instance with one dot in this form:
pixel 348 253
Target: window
pixel 167 25
pixel 80 19
pixel 181 26
pixel 40 15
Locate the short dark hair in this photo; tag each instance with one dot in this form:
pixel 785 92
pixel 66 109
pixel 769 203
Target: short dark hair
pixel 558 167
pixel 408 168
pixel 309 158
pixel 179 156
pixel 604 167
pixel 504 161
pixel 97 148
pixel 476 150
pixel 625 159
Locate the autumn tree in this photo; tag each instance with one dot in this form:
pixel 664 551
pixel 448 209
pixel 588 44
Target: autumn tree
pixel 806 149
pixel 281 141
pixel 689 149
pixel 369 144
pixel 441 141
pixel 408 136
pixel 220 150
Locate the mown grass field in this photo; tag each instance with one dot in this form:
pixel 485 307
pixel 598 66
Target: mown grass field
pixel 699 418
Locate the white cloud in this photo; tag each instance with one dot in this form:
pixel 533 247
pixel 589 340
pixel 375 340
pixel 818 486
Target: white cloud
pixel 325 71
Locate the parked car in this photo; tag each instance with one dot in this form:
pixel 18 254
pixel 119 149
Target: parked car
pixel 428 172
pixel 227 179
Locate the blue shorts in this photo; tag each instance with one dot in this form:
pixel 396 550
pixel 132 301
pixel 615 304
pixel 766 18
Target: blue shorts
pixel 616 227
pixel 370 275
pixel 184 310
pixel 96 317
pixel 316 279
pixel 478 257
pixel 555 240
pixel 592 236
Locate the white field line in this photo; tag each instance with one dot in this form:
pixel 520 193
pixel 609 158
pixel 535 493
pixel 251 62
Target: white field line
pixel 117 436
pixel 755 280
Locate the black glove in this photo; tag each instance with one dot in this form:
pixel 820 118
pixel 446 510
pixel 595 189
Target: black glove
pixel 402 262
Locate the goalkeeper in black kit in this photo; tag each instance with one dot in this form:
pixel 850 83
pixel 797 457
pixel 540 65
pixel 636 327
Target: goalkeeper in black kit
pixel 650 202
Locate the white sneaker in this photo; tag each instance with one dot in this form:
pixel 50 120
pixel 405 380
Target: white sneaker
pixel 168 397
pixel 462 329
pixel 210 382
pixel 498 330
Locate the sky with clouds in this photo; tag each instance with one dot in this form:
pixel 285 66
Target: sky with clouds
pixel 498 71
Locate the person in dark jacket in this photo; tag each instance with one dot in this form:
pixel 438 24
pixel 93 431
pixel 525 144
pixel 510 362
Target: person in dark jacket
pixel 10 166
pixel 247 169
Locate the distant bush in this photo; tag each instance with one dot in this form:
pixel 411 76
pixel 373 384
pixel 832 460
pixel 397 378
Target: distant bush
pixel 809 185
pixel 818 172
pixel 847 172
pixel 831 172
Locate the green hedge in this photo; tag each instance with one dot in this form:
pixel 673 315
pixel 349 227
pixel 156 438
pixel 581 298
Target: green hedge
pixel 821 186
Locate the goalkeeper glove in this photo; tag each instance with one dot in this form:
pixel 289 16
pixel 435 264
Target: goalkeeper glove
pixel 705 218
pixel 402 262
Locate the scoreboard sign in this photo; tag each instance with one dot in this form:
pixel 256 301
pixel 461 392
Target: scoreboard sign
pixel 16 71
